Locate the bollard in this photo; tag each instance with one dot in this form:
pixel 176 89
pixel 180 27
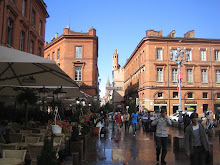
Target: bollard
pixel 85 139
pixel 178 143
pixel 75 158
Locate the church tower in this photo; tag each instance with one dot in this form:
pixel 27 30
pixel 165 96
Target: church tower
pixel 115 60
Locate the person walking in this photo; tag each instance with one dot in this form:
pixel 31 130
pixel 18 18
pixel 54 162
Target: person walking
pixel 161 123
pixel 196 141
pixel 126 118
pixel 134 117
pixel 118 120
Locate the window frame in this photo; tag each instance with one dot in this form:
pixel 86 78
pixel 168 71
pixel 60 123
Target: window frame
pixel 78 73
pixel 77 53
pixel 190 54
pixel 159 74
pixel 22 40
pixel 218 95
pixel 23 8
pixel 203 54
pixel 217 76
pixel 160 97
pixel 159 54
pixel 174 97
pixel 33 18
pixel 217 55
pixel 58 54
pixel 40 27
pixel 32 47
pixel 204 76
pixel 206 95
pixel 189 74
pixel 188 95
pixel 10 31
pixel 53 55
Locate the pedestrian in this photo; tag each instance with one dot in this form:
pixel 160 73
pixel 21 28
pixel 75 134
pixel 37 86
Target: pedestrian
pixel 207 118
pixel 161 123
pixel 186 121
pixel 196 141
pixel 134 117
pixel 126 119
pixel 118 120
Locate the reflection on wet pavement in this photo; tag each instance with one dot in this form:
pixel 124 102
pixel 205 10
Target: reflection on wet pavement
pixel 118 147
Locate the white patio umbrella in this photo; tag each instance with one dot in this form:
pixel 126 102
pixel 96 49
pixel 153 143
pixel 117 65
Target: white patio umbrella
pixel 25 70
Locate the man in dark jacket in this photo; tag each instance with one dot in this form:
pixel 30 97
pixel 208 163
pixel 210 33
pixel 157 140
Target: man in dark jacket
pixel 196 141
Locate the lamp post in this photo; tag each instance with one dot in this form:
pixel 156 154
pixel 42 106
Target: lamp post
pixel 178 58
pixel 43 94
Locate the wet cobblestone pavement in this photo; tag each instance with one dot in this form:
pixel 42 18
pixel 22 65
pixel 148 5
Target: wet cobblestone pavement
pixel 118 147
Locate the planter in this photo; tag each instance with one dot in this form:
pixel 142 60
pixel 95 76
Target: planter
pixel 95 130
pixel 77 147
pixel 56 129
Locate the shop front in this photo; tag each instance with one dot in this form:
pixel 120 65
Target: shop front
pixel 159 105
pixel 190 105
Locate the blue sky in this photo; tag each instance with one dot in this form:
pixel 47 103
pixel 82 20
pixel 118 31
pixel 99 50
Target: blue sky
pixel 122 24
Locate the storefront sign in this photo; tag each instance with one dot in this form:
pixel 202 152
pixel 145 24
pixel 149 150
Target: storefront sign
pixel 160 102
pixel 190 102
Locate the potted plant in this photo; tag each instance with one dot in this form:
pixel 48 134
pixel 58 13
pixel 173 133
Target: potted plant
pixel 60 126
pixel 48 154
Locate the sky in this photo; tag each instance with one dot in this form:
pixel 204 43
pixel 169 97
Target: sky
pixel 122 24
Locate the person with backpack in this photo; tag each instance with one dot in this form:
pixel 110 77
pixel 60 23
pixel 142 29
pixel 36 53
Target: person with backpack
pixel 161 124
pixel 134 117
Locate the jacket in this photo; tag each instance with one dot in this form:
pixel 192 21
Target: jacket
pixel 161 123
pixel 188 138
pixel 126 119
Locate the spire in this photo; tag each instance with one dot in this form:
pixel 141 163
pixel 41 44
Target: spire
pixel 108 83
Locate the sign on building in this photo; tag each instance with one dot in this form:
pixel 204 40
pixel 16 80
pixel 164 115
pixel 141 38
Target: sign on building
pixel 114 88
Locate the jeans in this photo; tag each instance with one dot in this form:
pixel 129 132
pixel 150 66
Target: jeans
pixel 134 125
pixel 161 142
pixel 126 126
pixel 199 155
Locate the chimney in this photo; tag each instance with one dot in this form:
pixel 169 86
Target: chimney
pixel 152 33
pixel 66 30
pixel 92 32
pixel 56 35
pixel 189 34
pixel 45 44
pixel 172 34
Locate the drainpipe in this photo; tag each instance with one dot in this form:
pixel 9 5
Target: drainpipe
pixel 3 22
pixel 211 79
pixel 28 44
pixel 168 80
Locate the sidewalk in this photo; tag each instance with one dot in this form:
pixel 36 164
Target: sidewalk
pixel 118 147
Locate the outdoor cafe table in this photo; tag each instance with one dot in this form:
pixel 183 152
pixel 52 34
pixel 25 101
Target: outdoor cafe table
pixel 10 161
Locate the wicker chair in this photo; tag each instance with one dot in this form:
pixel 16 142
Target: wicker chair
pixel 31 139
pixel 35 151
pixel 18 154
pixel 26 132
pixel 10 146
pixel 41 135
pixel 46 132
pixel 16 137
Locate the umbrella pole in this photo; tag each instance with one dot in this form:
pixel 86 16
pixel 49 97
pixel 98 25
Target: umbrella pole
pixel 26 114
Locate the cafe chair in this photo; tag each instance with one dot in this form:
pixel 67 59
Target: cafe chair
pixel 18 154
pixel 30 139
pixel 16 137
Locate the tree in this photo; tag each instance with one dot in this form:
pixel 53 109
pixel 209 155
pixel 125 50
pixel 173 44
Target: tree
pixel 132 107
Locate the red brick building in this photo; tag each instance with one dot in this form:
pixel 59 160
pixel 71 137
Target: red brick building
pixel 150 75
pixel 22 25
pixel 77 53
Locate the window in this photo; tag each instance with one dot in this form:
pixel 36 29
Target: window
pixel 33 19
pixel 78 73
pixel 39 51
pixel 204 76
pixel 217 55
pixel 160 95
pixel 32 47
pixel 159 75
pixel 218 95
pixel 22 40
pixel 58 54
pixel 53 55
pixel 10 29
pixel 217 76
pixel 190 95
pixel 203 55
pixel 204 95
pixel 175 94
pixel 48 57
pixel 40 28
pixel 23 7
pixel 174 75
pixel 159 54
pixel 78 51
pixel 189 76
pixel 188 51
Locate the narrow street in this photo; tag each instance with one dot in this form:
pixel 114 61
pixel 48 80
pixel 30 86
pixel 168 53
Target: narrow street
pixel 118 147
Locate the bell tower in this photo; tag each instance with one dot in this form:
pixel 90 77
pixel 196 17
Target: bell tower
pixel 115 60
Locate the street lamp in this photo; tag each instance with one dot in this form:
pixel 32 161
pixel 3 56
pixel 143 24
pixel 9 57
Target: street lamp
pixel 178 58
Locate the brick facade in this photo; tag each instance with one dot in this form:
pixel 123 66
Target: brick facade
pixel 22 25
pixel 150 75
pixel 66 47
